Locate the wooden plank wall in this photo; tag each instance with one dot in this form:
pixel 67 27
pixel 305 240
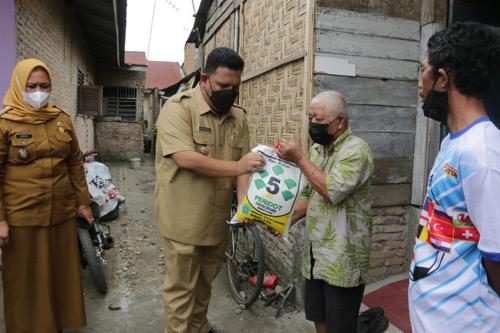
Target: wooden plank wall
pixel 382 96
pixel 218 27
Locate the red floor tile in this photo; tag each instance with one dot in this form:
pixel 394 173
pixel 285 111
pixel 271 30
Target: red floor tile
pixel 393 298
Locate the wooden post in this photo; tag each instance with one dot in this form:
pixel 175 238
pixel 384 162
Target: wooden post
pixel 427 132
pixel 308 70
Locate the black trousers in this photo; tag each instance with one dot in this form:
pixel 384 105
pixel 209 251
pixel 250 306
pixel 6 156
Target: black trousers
pixel 337 307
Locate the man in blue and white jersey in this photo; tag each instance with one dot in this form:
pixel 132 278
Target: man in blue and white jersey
pixel 455 272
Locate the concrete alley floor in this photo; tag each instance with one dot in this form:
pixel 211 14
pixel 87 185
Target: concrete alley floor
pixel 135 273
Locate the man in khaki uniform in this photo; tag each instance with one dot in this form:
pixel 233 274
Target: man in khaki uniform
pixel 202 145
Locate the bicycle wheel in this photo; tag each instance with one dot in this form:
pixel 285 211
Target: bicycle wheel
pixel 93 262
pixel 245 263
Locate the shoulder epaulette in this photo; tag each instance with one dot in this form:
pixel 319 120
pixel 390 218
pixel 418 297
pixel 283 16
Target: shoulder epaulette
pixel 178 97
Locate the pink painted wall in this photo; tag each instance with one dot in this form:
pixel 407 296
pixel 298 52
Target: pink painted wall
pixel 8 43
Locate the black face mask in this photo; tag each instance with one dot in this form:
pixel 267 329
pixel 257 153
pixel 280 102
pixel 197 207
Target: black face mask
pixel 319 133
pixel 222 99
pixel 436 105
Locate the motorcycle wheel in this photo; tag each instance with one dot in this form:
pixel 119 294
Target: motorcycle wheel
pixel 93 262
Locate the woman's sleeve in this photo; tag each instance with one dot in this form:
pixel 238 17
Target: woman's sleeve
pixel 4 150
pixel 76 172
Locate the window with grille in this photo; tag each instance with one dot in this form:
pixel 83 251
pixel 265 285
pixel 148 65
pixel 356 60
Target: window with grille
pixel 121 102
pixel 80 77
pixel 90 100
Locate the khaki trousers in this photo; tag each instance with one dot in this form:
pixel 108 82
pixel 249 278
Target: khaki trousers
pixel 190 271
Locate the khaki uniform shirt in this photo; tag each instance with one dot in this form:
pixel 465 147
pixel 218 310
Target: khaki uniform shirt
pixel 191 208
pixel 41 169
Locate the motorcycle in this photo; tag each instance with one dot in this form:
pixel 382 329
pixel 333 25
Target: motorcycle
pixel 101 189
pixel 94 239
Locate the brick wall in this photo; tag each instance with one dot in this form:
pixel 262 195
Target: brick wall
pixel 124 78
pixel 119 140
pixel 392 241
pixel 47 30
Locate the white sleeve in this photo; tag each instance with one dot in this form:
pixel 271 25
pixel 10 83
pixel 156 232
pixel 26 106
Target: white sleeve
pixel 482 195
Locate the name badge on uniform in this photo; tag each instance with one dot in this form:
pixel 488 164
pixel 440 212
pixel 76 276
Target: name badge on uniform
pixel 205 129
pixel 23 152
pixel 24 136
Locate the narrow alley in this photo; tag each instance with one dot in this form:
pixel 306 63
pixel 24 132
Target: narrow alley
pixel 135 272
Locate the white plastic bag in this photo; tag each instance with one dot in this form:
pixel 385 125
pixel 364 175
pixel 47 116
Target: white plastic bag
pixel 103 192
pixel 272 193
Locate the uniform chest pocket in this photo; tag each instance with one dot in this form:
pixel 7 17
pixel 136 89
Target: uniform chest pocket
pixel 22 150
pixel 62 143
pixel 235 141
pixel 204 142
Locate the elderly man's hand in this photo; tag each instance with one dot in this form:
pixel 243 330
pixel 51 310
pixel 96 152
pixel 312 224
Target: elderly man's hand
pixel 273 232
pixel 289 151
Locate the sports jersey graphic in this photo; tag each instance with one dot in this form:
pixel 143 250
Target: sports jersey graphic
pixel 458 227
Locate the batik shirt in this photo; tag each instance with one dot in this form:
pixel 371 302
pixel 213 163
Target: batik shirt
pixel 338 232
pixel 458 227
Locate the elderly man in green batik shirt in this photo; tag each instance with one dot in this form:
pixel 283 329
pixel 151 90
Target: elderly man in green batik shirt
pixel 336 203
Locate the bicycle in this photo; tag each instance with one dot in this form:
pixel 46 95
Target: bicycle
pixel 244 262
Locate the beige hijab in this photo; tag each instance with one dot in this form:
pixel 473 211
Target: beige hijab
pixel 20 110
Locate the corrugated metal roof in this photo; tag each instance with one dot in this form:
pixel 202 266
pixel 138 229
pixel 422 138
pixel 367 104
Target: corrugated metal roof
pixel 162 74
pixel 136 58
pixel 103 23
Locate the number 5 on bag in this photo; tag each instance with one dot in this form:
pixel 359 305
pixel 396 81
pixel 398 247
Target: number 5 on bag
pixel 272 192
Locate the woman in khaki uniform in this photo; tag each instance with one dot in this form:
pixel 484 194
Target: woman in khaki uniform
pixel 42 190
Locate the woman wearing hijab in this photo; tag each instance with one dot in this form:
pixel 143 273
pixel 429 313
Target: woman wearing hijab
pixel 42 189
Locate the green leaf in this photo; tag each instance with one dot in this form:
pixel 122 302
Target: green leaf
pixel 277 170
pixel 351 254
pixel 337 271
pixel 311 223
pixel 327 208
pixel 353 225
pixel 329 239
pixel 287 195
pixel 364 256
pixel 259 184
pixel 290 183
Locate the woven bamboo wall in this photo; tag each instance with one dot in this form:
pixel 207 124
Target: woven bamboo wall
pixel 272 31
pixel 222 36
pixel 274 102
pixel 208 47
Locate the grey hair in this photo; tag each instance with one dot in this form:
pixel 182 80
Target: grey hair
pixel 333 101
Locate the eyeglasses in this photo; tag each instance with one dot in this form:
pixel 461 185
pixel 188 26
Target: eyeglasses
pixel 40 85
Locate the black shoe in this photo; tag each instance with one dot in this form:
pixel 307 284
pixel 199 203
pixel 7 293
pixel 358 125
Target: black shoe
pixel 212 330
